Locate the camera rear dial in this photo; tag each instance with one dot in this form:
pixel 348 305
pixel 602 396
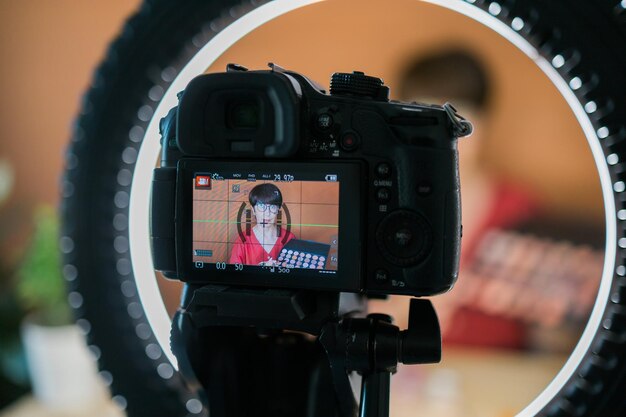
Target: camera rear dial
pixel 404 238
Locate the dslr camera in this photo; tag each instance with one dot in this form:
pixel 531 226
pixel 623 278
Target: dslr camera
pixel 281 207
pixel 268 181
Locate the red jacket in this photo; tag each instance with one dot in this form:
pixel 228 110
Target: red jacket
pixel 252 252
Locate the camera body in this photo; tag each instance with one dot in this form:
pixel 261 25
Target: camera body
pixel 360 194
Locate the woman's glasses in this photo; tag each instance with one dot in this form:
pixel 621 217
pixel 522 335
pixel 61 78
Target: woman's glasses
pixel 273 208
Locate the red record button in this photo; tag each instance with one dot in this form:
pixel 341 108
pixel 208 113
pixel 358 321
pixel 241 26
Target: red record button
pixel 203 181
pixel 349 141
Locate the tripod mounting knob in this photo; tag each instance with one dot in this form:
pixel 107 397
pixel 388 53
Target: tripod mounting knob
pixel 374 344
pixel 421 342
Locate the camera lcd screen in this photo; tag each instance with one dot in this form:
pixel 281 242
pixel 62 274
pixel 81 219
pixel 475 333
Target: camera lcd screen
pixel 293 224
pixel 264 221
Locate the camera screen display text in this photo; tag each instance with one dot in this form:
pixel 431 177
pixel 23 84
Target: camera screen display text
pixel 271 221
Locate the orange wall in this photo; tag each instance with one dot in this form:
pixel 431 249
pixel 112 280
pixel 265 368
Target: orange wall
pixel 49 49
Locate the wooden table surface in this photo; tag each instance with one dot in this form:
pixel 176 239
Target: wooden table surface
pixel 30 407
pixel 468 383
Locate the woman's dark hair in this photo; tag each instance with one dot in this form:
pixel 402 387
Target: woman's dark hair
pixel 452 75
pixel 267 194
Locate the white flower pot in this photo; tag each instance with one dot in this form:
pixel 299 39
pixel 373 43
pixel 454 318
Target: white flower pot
pixel 63 373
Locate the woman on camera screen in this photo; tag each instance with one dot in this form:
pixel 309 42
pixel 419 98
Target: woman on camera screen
pixel 266 239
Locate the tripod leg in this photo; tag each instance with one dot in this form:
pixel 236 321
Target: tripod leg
pixel 375 395
pixel 244 374
pixel 322 399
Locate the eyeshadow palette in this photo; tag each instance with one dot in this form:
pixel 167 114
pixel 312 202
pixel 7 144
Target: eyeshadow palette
pixel 304 254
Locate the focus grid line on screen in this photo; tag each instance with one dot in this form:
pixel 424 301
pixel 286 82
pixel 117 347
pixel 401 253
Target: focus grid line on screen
pixel 210 241
pixel 319 204
pixel 290 224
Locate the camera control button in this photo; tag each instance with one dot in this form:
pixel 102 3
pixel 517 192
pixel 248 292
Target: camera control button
pixel 358 84
pixel 381 276
pixel 350 141
pixel 424 189
pixel 324 121
pixel 383 170
pixel 404 238
pixel 383 195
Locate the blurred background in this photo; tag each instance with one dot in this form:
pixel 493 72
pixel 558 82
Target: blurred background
pixel 533 163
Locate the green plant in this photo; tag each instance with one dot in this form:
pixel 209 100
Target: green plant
pixel 40 285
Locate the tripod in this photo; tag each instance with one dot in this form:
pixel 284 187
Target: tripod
pixel 239 350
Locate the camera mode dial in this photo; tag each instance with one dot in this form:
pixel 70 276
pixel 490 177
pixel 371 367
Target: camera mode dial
pixel 404 238
pixel 358 84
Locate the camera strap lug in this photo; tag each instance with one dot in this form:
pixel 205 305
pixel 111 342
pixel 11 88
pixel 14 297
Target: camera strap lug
pixel 461 126
pixel 276 68
pixel 231 67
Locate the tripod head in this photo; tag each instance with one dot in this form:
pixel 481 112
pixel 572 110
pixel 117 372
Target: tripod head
pixel 215 342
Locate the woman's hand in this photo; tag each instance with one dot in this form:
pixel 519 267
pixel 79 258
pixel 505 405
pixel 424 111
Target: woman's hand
pixel 269 262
